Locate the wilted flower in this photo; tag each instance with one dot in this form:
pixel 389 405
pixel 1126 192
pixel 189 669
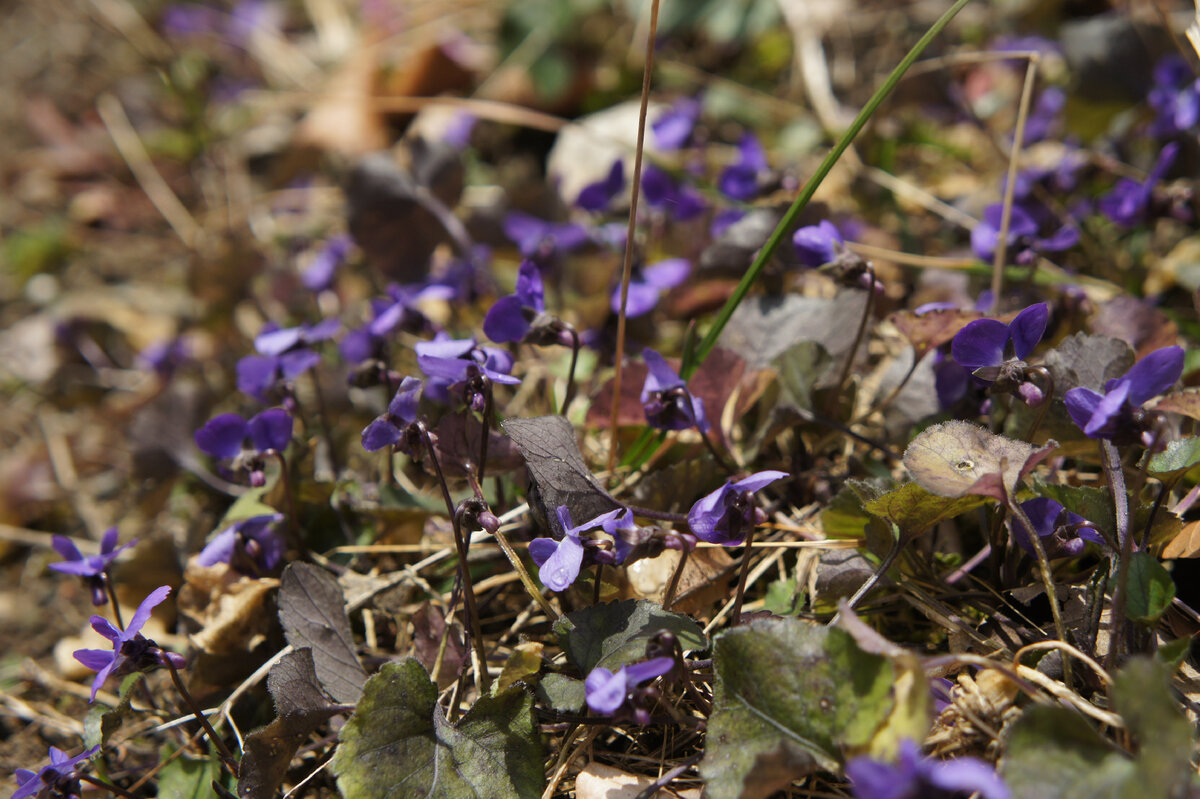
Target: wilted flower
pixel 726 515
pixel 284 355
pixel 132 651
pixel 1129 201
pixel 225 437
pixel 608 692
pixel 596 196
pixel 915 777
pixel 59 779
pixel 819 244
pixel 647 284
pixel 1064 534
pixel 666 400
pixel 93 567
pixel 741 179
pixel 251 546
pixel 560 561
pixel 1116 414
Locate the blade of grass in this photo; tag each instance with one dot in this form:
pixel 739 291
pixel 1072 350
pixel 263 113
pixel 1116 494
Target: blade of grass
pixel 710 338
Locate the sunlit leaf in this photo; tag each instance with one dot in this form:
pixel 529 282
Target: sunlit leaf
pixel 1179 456
pixel 914 509
pixel 957 458
pixel 1184 545
pixel 614 634
pixel 1151 589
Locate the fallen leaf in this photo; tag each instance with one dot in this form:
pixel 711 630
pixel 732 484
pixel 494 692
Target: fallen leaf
pixel 1184 545
pixel 598 781
pixel 956 458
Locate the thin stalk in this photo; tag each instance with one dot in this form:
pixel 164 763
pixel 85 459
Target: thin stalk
pixel 1001 253
pixel 1116 485
pixel 653 789
pixel 1047 578
pixel 659 515
pixel 326 425
pixel 631 230
pixel 810 188
pixel 669 596
pixel 864 589
pixel 523 573
pixel 488 412
pixel 290 498
pixel 596 588
pixel 105 786
pixel 1164 490
pixel 730 468
pixel 741 588
pixel 112 598
pixel 1048 391
pixel 570 393
pixel 895 392
pixel 226 756
pixel 836 394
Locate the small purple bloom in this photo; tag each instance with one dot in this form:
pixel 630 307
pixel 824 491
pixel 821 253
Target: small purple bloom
pixel 648 284
pixel 544 241
pixel 183 20
pixel 819 244
pixel 164 357
pixel 727 514
pixel 740 180
pixel 59 779
pixel 389 428
pixel 224 436
pixel 559 561
pixel 673 128
pixel 131 650
pixel 1045 115
pixel 915 777
pixel 1175 97
pixel 1113 414
pixel 680 201
pixel 92 568
pixel 284 355
pixel 459 363
pixel 1063 533
pixel 666 400
pixel 511 318
pixel 608 691
pixel 320 272
pixel 251 546
pixel 985 344
pixel 1129 201
pixel 1024 243
pixel 596 196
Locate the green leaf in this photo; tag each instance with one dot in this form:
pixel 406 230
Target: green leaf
pixel 790 697
pixel 614 634
pixel 799 368
pixel 186 777
pixel 1179 456
pixel 101 722
pixel 398 743
pixel 1142 695
pixel 562 693
pixel 248 505
pixel 784 598
pixel 1173 653
pixel 914 509
pixel 1053 753
pixel 1151 589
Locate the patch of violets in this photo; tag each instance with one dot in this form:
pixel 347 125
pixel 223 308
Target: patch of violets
pixel 995 352
pixel 225 437
pixel 727 515
pixel 611 693
pixel 399 310
pixel 91 568
pixel 59 779
pixel 283 355
pixel 1063 534
pixel 741 180
pixel 1024 241
pixel 599 195
pixel 252 546
pixel 1129 202
pixel 560 561
pixel 1116 413
pixel 915 777
pixel 391 427
pixel 665 399
pixel 647 285
pixel 677 200
pixel 132 651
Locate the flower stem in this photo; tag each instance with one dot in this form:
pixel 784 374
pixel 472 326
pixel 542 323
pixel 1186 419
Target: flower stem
pixel 1048 392
pixel 669 596
pixel 105 786
pixel 1047 578
pixel 290 498
pixel 1116 484
pixel 326 426
pixel 836 394
pixel 112 598
pixel 999 256
pixel 659 515
pixel 227 757
pixel 570 393
pixel 885 564
pixel 485 433
pixel 741 588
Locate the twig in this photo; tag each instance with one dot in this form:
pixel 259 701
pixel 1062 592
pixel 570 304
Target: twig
pixel 1001 253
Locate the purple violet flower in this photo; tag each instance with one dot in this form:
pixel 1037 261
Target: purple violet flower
pixel 647 285
pixel 673 128
pixel 819 244
pixel 1175 97
pixel 224 437
pixel 92 568
pixel 522 316
pixel 1045 115
pixel 995 352
pixel 131 650
pixel 59 779
pixel 284 355
pixel 390 428
pixel 727 514
pixel 251 546
pixel 915 777
pixel 544 241
pixel 1064 534
pixel 660 191
pixel 666 400
pixel 559 561
pixel 1024 243
pixel 608 692
pixel 458 363
pixel 597 196
pixel 164 357
pixel 1129 201
pixel 1115 414
pixel 740 180
pixel 322 269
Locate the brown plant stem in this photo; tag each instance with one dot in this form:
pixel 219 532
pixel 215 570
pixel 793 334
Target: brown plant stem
pixel 858 337
pixel 227 757
pixel 1047 576
pixel 736 615
pixel 570 393
pixel 1116 485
